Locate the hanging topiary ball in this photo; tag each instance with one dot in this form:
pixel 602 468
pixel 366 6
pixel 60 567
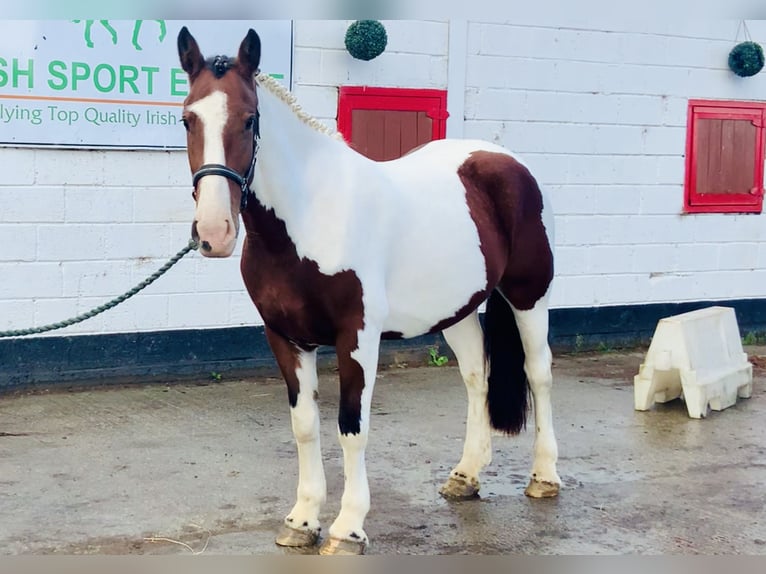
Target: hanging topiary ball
pixel 746 59
pixel 366 39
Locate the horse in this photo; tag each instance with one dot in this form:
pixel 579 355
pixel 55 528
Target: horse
pixel 340 250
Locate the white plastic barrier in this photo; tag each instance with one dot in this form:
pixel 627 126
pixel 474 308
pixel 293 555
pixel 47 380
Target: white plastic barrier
pixel 697 355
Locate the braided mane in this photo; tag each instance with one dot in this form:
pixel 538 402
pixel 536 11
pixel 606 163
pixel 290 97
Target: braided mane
pixel 278 90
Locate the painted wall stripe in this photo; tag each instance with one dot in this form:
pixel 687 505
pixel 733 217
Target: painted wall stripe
pixel 136 358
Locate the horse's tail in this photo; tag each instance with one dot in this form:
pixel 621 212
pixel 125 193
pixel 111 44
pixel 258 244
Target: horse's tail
pixel 507 394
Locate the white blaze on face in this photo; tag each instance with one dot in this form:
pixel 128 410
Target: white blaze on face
pixel 216 225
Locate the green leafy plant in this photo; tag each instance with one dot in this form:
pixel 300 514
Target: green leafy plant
pixel 366 39
pixel 753 338
pixel 216 376
pixel 604 348
pixel 435 359
pixel 746 59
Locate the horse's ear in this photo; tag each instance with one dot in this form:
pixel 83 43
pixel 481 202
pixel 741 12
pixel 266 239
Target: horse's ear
pixel 249 55
pixel 189 53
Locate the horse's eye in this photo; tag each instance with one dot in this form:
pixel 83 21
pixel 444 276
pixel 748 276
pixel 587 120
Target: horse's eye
pixel 250 123
pixel 185 122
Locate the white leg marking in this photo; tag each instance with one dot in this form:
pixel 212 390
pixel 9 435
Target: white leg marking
pixel 533 327
pixel 466 339
pixel 312 489
pixel 355 503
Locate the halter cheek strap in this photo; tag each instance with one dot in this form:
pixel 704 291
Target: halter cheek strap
pixel 227 172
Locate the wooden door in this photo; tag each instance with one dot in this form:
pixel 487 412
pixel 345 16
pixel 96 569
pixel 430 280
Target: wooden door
pixel 386 123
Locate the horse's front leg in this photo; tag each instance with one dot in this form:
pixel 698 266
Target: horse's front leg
pixel 357 365
pixel 298 366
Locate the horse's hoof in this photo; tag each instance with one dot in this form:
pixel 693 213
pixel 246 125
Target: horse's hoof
pixel 542 489
pixel 460 487
pixel 338 547
pixel 294 538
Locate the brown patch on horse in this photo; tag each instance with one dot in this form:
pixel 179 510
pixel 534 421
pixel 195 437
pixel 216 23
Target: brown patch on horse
pixel 292 295
pixel 392 335
pixel 288 359
pixel 475 300
pixel 351 376
pixel 506 204
pixel 303 305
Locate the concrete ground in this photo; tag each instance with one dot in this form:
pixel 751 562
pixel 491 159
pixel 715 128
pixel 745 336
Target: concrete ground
pixel 211 468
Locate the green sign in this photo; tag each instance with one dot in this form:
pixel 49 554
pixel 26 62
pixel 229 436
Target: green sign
pixel 112 83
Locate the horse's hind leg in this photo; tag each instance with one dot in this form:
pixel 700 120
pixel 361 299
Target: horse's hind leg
pixel 467 342
pixel 533 328
pixel 301 527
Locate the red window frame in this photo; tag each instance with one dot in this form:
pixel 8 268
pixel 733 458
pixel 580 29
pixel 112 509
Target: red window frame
pixel 751 202
pixel 431 101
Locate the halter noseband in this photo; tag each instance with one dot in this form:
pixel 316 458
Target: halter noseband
pixel 219 169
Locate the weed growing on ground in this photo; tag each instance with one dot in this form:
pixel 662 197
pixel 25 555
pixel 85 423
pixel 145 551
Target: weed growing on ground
pixel 435 359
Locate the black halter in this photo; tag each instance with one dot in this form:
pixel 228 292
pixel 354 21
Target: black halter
pixel 218 169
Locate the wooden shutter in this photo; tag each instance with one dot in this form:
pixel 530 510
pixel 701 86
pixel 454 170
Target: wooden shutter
pixel 386 123
pixel 725 157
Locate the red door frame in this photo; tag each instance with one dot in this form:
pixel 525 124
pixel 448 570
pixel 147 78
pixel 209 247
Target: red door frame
pixel 431 101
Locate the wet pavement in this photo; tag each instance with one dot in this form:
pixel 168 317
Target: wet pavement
pixel 210 468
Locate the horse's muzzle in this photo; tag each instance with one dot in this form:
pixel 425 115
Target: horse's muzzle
pixel 215 240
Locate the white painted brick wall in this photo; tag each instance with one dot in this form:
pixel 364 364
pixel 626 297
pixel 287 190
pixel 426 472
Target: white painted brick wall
pixel 19 242
pixel 416 57
pixel 81 227
pixel 599 116
pixel 16 313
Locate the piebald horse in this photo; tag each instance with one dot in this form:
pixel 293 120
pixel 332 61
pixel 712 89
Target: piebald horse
pixel 344 251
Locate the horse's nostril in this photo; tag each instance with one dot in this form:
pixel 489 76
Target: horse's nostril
pixel 194 233
pixel 206 246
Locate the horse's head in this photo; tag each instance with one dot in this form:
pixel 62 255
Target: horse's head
pixel 221 119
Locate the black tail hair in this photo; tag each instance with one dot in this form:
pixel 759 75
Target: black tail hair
pixel 507 396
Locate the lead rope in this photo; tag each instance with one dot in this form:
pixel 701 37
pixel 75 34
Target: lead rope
pixel 192 245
